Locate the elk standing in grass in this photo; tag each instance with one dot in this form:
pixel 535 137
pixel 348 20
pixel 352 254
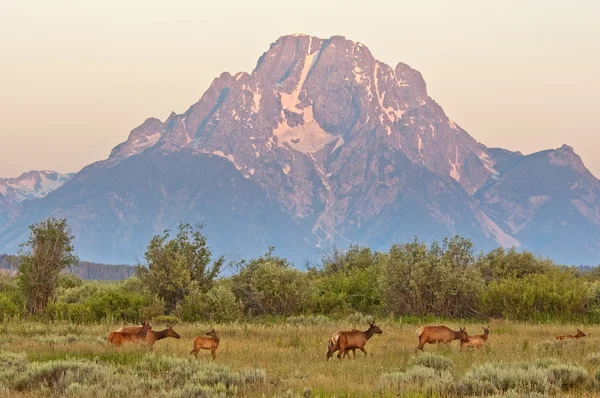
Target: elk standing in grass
pixel 206 343
pixel 439 334
pixel 352 340
pixel 578 335
pixel 152 336
pixel 476 341
pixel 118 338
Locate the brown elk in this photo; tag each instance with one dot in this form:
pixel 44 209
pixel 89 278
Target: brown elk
pixel 352 340
pixel 578 335
pixel 152 336
pixel 476 341
pixel 206 343
pixel 332 345
pixel 439 334
pixel 118 338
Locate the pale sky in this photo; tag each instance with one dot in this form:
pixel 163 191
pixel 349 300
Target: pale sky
pixel 76 76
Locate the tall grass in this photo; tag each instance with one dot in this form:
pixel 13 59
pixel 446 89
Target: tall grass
pixel 289 359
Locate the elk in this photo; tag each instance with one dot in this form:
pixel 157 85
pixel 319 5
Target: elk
pixel 118 338
pixel 578 335
pixel 153 336
pixel 332 345
pixel 352 340
pixel 439 334
pixel 206 343
pixel 476 341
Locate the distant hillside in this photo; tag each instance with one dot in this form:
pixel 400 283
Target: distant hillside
pixel 85 270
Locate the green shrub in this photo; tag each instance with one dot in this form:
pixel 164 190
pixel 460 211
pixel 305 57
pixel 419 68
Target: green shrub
pixel 9 309
pixel 550 294
pixel 216 305
pixel 432 361
pixel 542 377
pixel 269 285
pixel 439 280
pixel 359 319
pixel 418 380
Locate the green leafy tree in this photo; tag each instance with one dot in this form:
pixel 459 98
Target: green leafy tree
pixel 176 266
pixel 440 280
pixel 269 285
pixel 500 264
pixel 48 251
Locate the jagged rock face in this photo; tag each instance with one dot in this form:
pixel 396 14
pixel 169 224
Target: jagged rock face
pixel 308 99
pixel 30 185
pixel 548 201
pixel 343 148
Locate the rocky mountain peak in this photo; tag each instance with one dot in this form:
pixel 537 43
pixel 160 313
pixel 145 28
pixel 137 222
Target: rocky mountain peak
pixel 566 156
pixel 33 184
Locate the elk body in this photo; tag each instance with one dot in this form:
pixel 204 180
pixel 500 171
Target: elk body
pixel 206 343
pixel 352 340
pixel 439 334
pixel 118 338
pixel 476 341
pixel 577 335
pixel 332 345
pixel 152 336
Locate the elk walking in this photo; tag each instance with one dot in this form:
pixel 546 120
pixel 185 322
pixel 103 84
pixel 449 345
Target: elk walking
pixel 152 336
pixel 577 335
pixel 476 341
pixel 351 340
pixel 439 334
pixel 118 338
pixel 206 343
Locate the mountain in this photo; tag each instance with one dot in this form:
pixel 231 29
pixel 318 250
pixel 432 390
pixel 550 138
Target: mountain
pixel 31 185
pixel 320 145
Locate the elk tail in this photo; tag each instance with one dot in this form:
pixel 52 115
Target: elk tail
pixel 420 331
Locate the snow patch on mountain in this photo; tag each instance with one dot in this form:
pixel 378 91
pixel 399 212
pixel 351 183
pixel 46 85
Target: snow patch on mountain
pixel 32 185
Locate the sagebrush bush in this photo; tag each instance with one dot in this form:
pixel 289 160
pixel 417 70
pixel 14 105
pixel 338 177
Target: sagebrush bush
pixel 359 319
pixel 432 361
pixel 419 379
pixel 543 377
pixel 593 358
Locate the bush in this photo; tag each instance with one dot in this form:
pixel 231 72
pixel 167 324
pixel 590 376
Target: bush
pixel 432 361
pixel 9 309
pixel 217 305
pixel 543 377
pixel 418 380
pixel 439 280
pixel 551 294
pixel 593 358
pixel 269 285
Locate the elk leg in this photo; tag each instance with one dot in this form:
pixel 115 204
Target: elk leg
pixel 354 353
pixel 363 350
pixel 214 354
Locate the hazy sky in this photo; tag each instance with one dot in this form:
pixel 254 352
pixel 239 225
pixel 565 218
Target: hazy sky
pixel 77 76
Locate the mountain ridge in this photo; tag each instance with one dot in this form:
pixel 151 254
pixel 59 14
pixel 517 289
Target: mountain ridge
pixel 345 149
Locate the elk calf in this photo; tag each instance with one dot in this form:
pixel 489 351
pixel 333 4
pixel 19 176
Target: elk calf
pixel 439 334
pixel 476 341
pixel 206 343
pixel 577 335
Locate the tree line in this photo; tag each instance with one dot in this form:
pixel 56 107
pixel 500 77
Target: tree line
pixel 181 277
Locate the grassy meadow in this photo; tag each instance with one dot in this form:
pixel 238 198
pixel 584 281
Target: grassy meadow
pixel 288 359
